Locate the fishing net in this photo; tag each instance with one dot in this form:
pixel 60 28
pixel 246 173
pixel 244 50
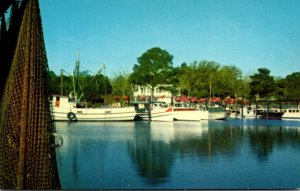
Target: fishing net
pixel 27 144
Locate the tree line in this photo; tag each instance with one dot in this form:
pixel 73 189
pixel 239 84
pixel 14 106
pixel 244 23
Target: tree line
pixel 201 79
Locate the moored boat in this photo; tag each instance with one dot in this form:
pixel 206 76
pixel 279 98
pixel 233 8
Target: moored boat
pixel 182 112
pixel 65 109
pixel 270 114
pixel 289 113
pixel 259 112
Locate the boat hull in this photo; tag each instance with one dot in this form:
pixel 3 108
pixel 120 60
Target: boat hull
pixel 192 115
pixel 157 114
pixel 270 115
pixel 290 113
pixel 97 114
pixel 218 115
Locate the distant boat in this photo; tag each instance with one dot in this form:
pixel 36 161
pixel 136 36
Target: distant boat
pixel 270 114
pixel 65 109
pixel 260 112
pixel 290 113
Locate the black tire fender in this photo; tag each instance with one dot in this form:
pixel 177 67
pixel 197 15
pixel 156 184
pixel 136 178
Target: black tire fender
pixel 72 116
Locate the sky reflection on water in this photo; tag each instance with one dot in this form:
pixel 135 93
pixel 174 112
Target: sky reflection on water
pixel 256 154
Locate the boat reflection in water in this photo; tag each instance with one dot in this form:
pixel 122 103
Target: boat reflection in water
pixel 255 154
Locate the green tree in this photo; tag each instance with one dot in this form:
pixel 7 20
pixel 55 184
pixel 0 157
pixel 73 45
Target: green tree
pixel 207 71
pixel 188 77
pixel 94 88
pixel 262 84
pixel 154 67
pixel 54 83
pixel 231 82
pixel 281 90
pixel 67 84
pixel 292 84
pixel 121 87
pixel 120 84
pixel 199 78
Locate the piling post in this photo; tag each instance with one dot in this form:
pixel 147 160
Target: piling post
pixel 255 109
pixel 242 112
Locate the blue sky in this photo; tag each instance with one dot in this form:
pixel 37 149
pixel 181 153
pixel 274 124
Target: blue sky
pixel 249 34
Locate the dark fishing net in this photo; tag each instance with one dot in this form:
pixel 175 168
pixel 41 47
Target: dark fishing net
pixel 27 144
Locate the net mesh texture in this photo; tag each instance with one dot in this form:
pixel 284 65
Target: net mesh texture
pixel 27 144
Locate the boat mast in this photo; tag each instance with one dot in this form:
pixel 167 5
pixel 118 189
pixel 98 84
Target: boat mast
pixel 104 66
pixel 61 82
pixel 210 89
pixel 76 72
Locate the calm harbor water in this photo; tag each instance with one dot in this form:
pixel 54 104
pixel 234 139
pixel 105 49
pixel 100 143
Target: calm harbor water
pixel 233 154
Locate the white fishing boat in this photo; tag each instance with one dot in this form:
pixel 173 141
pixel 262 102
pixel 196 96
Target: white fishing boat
pixel 65 109
pixel 182 112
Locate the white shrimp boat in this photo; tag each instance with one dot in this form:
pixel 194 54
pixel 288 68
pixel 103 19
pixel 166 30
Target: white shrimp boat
pixel 182 112
pixel 66 110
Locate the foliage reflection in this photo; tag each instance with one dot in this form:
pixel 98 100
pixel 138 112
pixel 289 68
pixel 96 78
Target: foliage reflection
pixel 156 146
